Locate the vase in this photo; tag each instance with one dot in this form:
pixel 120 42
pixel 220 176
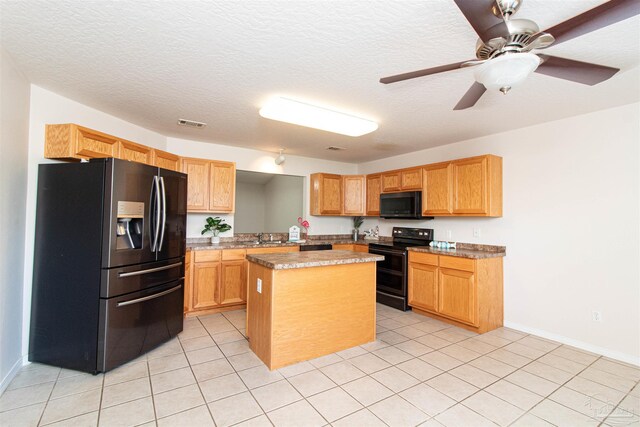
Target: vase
pixel 303 235
pixel 215 239
pixel 355 234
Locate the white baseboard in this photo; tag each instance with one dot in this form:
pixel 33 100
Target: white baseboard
pixel 11 375
pixel 623 357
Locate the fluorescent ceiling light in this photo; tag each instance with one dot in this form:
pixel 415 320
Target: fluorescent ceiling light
pixel 303 114
pixel 506 71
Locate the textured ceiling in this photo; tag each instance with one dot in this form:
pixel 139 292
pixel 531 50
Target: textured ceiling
pixel 152 62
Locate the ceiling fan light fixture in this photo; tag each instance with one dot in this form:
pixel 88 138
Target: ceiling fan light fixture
pixel 507 71
pixel 313 116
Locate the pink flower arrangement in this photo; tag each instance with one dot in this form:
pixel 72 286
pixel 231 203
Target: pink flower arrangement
pixel 303 223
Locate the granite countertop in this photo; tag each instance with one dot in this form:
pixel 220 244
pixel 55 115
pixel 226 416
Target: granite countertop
pixel 247 245
pixel 478 252
pixel 291 260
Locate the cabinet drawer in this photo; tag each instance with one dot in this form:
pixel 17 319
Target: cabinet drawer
pixel 457 263
pixel 342 247
pixel 233 254
pixel 206 256
pixel 276 249
pixel 423 258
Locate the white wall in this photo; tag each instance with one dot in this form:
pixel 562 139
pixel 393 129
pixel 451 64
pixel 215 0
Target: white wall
pixel 14 139
pixel 261 161
pixel 250 207
pixel 283 208
pixel 571 225
pixel 50 108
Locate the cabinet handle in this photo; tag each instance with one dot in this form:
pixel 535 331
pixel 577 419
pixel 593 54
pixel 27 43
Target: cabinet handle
pixel 154 296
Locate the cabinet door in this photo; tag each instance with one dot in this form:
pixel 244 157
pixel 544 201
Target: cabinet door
pixel 223 186
pixel 92 144
pixel 361 248
pixel 470 186
pixel 423 286
pixel 391 181
pixel 165 160
pixel 411 179
pixel 353 188
pixel 330 194
pixel 188 285
pixel 233 282
pixel 133 152
pixel 197 184
pixel 206 285
pixel 437 194
pixel 373 195
pixel 457 295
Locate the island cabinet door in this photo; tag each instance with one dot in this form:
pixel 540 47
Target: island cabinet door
pixel 423 286
pixel 233 282
pixel 206 285
pixel 457 295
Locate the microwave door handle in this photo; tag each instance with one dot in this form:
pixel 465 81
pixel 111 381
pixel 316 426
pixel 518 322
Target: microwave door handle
pixel 164 213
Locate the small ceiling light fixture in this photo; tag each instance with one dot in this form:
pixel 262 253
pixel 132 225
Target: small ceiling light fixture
pixel 506 71
pixel 303 114
pixel 281 158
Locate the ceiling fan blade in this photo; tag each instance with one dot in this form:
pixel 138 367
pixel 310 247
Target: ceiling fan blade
pixel 576 71
pixel 420 73
pixel 471 97
pixel 593 19
pixel 482 19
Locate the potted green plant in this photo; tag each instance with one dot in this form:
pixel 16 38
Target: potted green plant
pixel 215 226
pixel 357 223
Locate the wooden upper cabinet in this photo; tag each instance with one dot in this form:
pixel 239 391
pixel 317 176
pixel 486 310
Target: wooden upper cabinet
pixel 477 186
pixel 198 182
pixel 133 152
pixel 73 142
pixel 411 179
pixel 437 189
pixel 165 160
pixel 391 181
pixel 210 186
pixel 353 191
pixel 223 186
pixel 326 194
pixel 402 180
pixel 373 195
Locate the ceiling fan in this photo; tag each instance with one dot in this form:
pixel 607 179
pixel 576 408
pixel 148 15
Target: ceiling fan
pixel 504 56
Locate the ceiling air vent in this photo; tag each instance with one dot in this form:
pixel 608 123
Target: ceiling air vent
pixel 334 148
pixel 191 123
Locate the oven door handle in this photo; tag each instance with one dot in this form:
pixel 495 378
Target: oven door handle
pixel 382 251
pixel 147 298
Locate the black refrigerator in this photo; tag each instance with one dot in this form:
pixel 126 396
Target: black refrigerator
pixel 108 276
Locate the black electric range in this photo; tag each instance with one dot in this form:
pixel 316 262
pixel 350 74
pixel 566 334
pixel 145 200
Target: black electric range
pixel 391 274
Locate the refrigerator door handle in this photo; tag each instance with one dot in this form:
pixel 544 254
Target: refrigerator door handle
pixel 158 295
pixel 156 214
pixel 150 270
pixel 164 213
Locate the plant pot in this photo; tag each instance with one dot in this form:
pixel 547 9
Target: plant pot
pixel 355 234
pixel 215 239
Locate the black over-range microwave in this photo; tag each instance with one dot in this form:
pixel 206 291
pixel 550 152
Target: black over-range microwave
pixel 405 205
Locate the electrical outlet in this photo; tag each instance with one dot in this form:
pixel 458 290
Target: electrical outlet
pixel 597 316
pixel 259 285
pixel 476 232
pixel 449 235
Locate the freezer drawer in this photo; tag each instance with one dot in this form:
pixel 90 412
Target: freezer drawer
pixel 135 323
pixel 123 280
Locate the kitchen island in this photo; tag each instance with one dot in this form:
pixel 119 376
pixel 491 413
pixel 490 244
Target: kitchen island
pixel 302 305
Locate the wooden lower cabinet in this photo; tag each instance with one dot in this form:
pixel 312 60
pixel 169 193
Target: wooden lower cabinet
pixel 350 247
pixel 216 280
pixel 461 291
pixel 233 282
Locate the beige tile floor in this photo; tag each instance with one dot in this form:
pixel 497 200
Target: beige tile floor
pixel 419 372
